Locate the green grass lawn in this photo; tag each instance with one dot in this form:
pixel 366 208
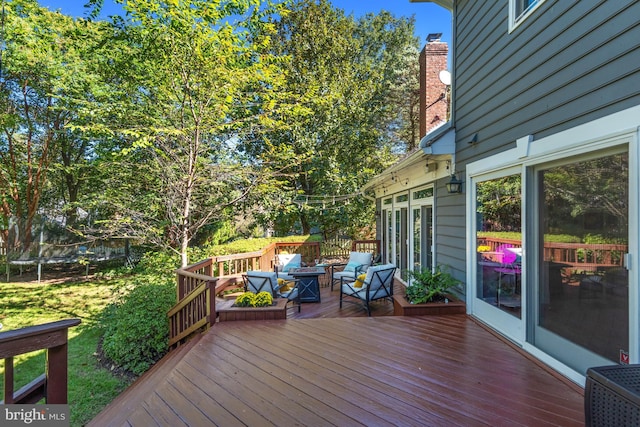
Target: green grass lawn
pixel 27 303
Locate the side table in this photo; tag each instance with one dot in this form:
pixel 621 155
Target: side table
pixel 308 285
pixel 323 278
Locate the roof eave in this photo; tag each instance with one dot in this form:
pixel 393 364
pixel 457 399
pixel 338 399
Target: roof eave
pixel 447 4
pixel 440 141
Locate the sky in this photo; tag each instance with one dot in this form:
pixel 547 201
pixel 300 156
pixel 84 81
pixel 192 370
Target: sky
pixel 430 18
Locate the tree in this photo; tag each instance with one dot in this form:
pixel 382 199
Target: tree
pixel 44 80
pixel 196 78
pixel 343 70
pixel 499 201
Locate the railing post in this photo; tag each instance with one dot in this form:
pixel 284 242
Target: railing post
pixel 211 302
pixel 57 374
pixel 180 287
pixel 8 380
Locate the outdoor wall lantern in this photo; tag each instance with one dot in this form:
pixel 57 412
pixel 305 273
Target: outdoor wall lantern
pixel 454 185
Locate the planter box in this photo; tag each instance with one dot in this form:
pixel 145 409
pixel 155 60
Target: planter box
pixel 401 307
pixel 226 311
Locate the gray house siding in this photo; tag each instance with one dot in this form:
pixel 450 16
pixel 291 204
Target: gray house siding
pixel 567 64
pixel 449 229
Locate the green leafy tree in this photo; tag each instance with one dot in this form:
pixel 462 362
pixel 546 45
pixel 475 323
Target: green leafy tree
pixel 499 202
pixel 342 69
pixel 45 83
pixel 196 77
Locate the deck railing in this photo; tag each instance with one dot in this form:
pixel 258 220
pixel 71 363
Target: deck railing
pixel 372 246
pixel 578 256
pixel 229 268
pixel 196 308
pixel 309 251
pixel 52 385
pixel 199 283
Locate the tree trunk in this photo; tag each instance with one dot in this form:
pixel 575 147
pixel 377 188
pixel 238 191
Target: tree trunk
pixel 304 221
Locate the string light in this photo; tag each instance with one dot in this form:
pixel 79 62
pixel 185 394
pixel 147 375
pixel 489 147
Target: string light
pixel 335 202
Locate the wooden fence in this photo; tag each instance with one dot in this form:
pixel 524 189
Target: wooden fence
pixel 371 246
pixel 337 247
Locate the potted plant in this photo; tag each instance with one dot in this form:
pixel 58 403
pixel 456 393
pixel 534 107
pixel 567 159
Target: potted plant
pixel 428 293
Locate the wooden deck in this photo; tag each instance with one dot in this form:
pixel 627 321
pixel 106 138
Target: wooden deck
pixel 321 368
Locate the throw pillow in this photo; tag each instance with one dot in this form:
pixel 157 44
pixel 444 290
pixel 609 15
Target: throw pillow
pixel 351 266
pixel 283 285
pixel 359 281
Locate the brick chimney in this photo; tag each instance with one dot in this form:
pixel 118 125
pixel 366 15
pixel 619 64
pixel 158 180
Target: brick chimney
pixel 433 93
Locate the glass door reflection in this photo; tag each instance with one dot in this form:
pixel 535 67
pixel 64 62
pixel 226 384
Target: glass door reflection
pixel 499 243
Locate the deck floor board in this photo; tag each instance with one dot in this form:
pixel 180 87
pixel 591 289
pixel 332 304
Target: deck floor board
pixel 328 366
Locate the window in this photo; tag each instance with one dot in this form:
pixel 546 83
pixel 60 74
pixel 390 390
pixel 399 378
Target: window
pixel 519 10
pixel 423 194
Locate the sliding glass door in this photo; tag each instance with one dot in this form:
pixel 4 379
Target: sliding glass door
pixel 582 298
pixel 498 264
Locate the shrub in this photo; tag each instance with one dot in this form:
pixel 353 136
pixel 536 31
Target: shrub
pixel 245 300
pixel 136 333
pixel 249 299
pixel 429 286
pixel 263 299
pixel 158 264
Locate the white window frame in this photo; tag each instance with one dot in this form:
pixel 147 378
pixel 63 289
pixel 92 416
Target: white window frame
pixel 512 327
pixel 516 17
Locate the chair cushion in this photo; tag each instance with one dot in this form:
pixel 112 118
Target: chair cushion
pixel 290 294
pixel 348 289
pixel 270 274
pixel 358 261
pixel 346 274
pixel 362 258
pixel 288 261
pixel 374 280
pixel 273 278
